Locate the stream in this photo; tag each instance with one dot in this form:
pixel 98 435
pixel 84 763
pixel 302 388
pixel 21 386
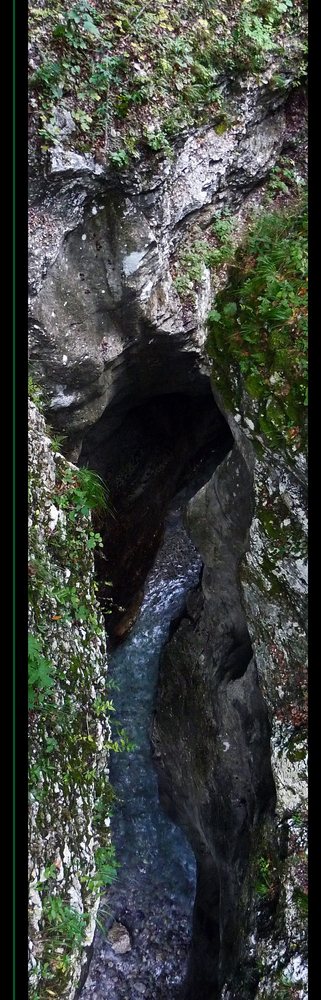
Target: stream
pixel 153 896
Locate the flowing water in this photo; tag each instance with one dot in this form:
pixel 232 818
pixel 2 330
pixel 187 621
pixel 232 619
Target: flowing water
pixel 154 892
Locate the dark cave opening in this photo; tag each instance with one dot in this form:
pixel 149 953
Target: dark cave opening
pixel 145 457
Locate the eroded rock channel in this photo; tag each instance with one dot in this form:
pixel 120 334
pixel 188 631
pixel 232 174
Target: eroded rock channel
pixel 193 792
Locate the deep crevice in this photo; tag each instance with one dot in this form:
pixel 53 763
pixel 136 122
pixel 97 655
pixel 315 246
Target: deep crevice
pixel 145 459
pixel 153 452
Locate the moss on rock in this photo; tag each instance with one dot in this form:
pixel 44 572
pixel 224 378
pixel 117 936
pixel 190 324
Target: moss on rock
pixel 69 738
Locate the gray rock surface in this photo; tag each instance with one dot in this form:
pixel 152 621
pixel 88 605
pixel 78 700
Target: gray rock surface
pixel 106 322
pixel 211 730
pixel 243 637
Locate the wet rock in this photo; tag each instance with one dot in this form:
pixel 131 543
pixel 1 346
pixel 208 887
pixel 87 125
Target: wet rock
pixel 119 939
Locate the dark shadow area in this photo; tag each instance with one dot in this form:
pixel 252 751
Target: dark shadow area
pixel 144 461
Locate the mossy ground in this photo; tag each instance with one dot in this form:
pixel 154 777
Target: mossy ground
pixel 133 76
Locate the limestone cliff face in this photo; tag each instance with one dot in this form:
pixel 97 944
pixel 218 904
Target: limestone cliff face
pixel 69 732
pixel 109 333
pixel 107 328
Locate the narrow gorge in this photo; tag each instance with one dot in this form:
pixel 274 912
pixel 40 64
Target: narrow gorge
pixel 167 525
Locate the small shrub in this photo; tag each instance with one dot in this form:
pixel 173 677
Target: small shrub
pixel 77 21
pixel 35 393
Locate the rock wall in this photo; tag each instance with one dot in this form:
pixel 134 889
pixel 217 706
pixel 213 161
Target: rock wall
pixel 229 733
pixel 211 731
pixel 69 732
pixel 107 328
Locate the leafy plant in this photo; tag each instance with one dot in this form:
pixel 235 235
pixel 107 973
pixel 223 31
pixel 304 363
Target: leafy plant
pixel 191 260
pixel 123 743
pixel 106 868
pixel 81 491
pixel 35 393
pixel 264 879
pixel 40 673
pixel 76 21
pixel 50 132
pixel 57 442
pixel 49 78
pixel 119 158
pixel 260 322
pixel 94 490
pixel 282 178
pixel 63 929
pixel 84 120
pixel 105 64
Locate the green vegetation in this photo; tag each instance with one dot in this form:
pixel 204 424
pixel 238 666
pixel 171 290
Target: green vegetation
pixel 282 180
pixel 133 75
pixel 212 249
pixel 284 989
pixel 35 393
pixel 40 677
pixel 283 531
pixel 300 898
pixel 296 748
pixel 64 927
pixel 77 492
pixel 69 728
pixel 64 931
pixel 265 877
pixel 81 491
pixel 258 329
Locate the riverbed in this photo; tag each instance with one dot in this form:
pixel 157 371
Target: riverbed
pixel 152 899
